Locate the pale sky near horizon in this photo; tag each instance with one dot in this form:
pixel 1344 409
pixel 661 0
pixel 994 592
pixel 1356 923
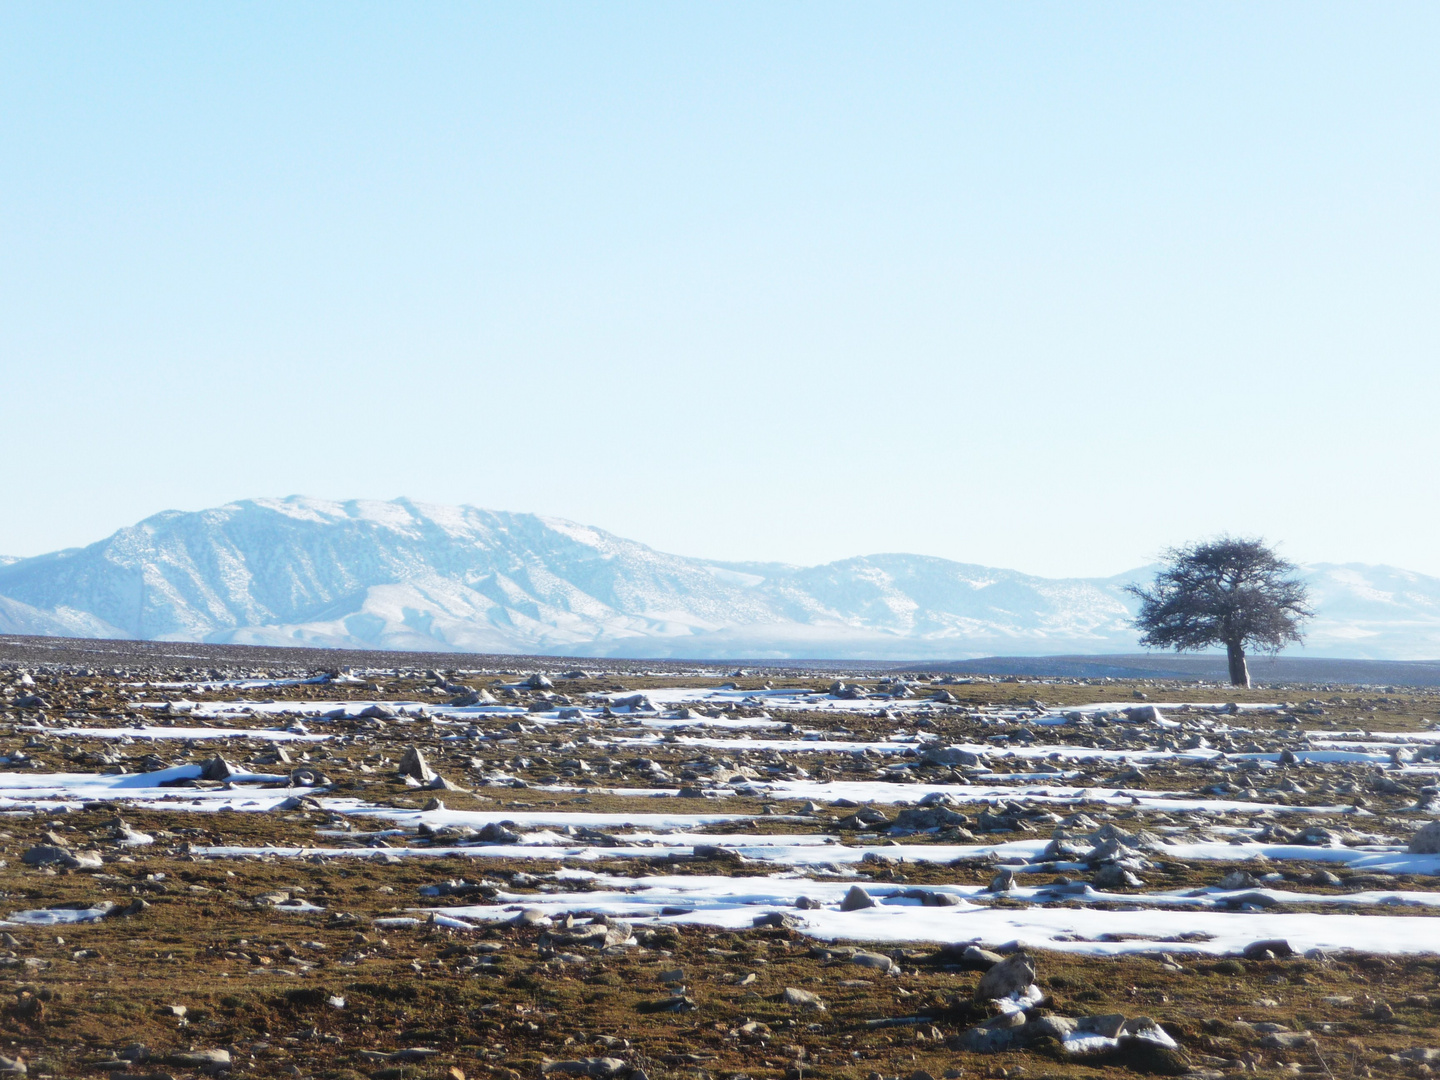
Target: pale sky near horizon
pixel 1043 286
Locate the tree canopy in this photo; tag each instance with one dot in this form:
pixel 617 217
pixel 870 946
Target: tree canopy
pixel 1232 592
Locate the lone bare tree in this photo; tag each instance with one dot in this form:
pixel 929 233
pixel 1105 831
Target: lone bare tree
pixel 1230 592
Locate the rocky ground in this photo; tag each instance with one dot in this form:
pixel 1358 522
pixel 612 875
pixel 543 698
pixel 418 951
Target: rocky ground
pixel 213 865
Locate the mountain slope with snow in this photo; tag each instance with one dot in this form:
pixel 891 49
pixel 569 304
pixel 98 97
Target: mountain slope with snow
pixel 402 575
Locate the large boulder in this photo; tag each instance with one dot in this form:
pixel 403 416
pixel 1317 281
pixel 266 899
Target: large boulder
pixel 45 854
pixel 471 698
pixel 414 765
pixel 1427 840
pixel 918 819
pixel 952 755
pixel 1013 975
pixel 856 899
pixel 879 961
pixel 217 768
pixel 55 855
pixel 635 703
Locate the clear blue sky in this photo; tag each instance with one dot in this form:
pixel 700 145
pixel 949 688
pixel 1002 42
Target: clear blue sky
pixel 1049 286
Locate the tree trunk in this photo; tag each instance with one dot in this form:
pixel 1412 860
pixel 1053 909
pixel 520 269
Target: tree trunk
pixel 1239 672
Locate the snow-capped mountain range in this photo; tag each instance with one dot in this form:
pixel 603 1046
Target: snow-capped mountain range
pixel 404 575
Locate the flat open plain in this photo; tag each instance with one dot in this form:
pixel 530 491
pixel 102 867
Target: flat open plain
pixel 252 862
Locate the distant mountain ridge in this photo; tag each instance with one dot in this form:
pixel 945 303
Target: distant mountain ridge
pixel 404 575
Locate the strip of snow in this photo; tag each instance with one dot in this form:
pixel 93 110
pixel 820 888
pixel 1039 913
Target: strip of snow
pixel 56 916
pixel 198 733
pixel 733 904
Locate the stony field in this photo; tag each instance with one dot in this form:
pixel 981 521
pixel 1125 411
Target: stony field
pixel 625 872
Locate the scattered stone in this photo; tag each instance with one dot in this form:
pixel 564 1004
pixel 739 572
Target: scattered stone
pixel 856 899
pixel 1288 1040
pixel 1115 876
pixel 45 854
pixel 1272 949
pixel 777 918
pixel 217 768
pixel 413 765
pixel 1012 975
pixel 597 1066
pixel 55 855
pixel 802 999
pixel 879 961
pixel 498 832
pixel 1426 841
pixel 209 1061
pixel 1004 881
pixel 974 958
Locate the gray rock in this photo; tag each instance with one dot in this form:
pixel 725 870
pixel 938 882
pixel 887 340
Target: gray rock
pixel 217 768
pixel 12 1066
pixel 45 854
pixel 1421 1054
pixel 204 1060
pixel 1288 1040
pixel 1274 947
pixel 55 855
pixel 1108 1024
pixel 1237 879
pixel 298 802
pixel 777 918
pixel 714 851
pixel 413 1053
pixel 1254 898
pixel 1427 840
pixel 1012 975
pixel 802 999
pixel 1053 1026
pixel 975 958
pixel 997 1034
pixel 879 961
pixel 495 832
pixel 856 899
pixel 414 765
pixel 1004 881
pixel 952 755
pixel 1115 876
pixel 634 702
pixel 1062 849
pixel 918 819
pixel 597 1066
pixel 932 897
